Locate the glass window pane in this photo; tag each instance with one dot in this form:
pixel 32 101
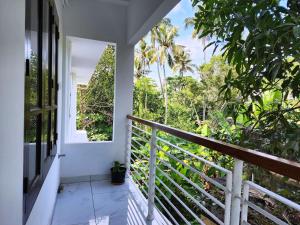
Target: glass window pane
pixel 45 147
pixel 53 64
pixel 31 51
pixel 55 126
pixel 30 148
pixel 45 52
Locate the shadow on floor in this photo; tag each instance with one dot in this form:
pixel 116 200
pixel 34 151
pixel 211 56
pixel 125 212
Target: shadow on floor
pixel 101 203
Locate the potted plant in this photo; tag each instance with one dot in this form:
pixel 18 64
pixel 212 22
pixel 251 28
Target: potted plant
pixel 118 172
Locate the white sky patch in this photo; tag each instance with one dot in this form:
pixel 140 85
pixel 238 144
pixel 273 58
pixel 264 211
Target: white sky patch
pixel 195 47
pixel 177 9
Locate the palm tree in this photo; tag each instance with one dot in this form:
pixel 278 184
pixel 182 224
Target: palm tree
pixel 155 45
pixel 138 68
pixel 190 22
pixel 162 38
pixel 182 61
pixel 143 58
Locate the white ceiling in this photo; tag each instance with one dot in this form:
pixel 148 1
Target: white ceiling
pixel 85 54
pixel 117 21
pixel 117 2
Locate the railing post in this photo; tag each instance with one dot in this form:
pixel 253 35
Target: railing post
pixel 228 199
pixel 152 174
pixel 236 192
pixel 244 217
pixel 128 147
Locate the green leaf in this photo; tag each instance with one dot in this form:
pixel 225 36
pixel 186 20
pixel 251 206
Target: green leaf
pixel 296 31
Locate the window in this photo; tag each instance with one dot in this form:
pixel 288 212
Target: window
pixel 40 116
pixel 92 93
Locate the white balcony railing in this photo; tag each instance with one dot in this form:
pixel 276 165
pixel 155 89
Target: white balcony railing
pixel 189 189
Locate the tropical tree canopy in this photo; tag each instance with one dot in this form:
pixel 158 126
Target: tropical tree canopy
pixel 260 38
pixel 182 61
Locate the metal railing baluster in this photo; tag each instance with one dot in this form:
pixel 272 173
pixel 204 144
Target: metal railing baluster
pixel 128 149
pixel 228 197
pixel 152 174
pixel 244 216
pixel 236 192
pixel 235 205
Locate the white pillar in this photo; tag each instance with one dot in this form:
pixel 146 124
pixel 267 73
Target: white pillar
pixel 12 75
pixel 152 174
pixel 73 106
pixel 66 87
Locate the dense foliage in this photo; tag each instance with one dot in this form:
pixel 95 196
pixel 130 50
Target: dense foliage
pixel 95 101
pixel 261 40
pixel 198 106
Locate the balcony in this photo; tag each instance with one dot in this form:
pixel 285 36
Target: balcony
pixel 168 184
pixel 170 180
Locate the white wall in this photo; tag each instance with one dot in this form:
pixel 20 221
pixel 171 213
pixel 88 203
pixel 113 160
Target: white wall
pixel 96 158
pixel 42 211
pixel 12 35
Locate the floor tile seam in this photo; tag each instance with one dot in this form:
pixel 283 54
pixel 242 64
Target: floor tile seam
pixel 76 182
pixel 93 200
pixel 74 224
pixel 111 192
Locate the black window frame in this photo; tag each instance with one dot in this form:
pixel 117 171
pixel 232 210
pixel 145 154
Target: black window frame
pixel 44 112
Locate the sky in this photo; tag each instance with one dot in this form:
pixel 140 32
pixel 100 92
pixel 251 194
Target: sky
pixel 181 11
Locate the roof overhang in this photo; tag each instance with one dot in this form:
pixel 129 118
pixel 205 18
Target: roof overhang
pixel 85 55
pixel 118 21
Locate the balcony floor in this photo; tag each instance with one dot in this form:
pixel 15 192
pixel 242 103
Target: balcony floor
pixel 101 203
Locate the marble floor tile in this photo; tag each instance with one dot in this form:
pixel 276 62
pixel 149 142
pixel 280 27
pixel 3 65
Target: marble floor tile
pixel 110 204
pixel 101 203
pixel 74 205
pixel 105 186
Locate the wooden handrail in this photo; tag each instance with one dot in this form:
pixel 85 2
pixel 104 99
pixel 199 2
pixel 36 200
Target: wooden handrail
pixel 276 164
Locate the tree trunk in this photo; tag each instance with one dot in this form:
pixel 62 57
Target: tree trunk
pixel 158 73
pixel 204 111
pixel 146 102
pixel 165 94
pixel 197 116
pixel 203 45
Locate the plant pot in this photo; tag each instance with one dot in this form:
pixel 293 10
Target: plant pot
pixel 118 177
